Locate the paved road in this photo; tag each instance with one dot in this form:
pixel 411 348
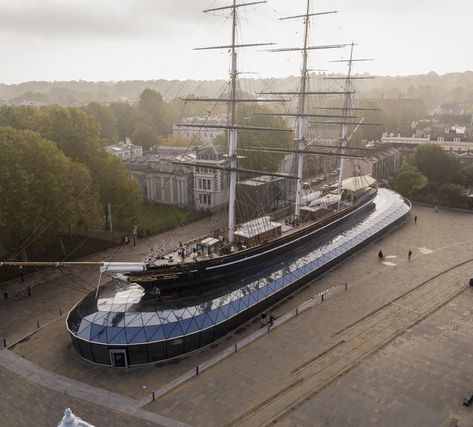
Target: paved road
pixel 393 349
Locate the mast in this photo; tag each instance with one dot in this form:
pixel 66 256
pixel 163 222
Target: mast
pixel 232 133
pixel 302 94
pixel 301 119
pixel 232 102
pixel 344 126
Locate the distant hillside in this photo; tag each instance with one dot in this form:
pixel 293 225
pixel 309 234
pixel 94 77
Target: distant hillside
pixel 430 88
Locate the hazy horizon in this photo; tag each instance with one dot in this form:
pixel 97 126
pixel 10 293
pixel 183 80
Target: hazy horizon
pixel 59 40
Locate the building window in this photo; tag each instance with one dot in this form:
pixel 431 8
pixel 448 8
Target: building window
pixel 440 139
pixel 200 199
pixel 456 139
pixel 200 184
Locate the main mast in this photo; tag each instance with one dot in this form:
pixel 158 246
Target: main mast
pixel 344 126
pixel 301 119
pixel 301 114
pixel 232 100
pixel 232 133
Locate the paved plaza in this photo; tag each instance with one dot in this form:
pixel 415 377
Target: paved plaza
pixel 392 349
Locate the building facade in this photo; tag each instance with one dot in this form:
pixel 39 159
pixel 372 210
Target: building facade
pixel 162 179
pixel 125 150
pixel 211 185
pixel 206 135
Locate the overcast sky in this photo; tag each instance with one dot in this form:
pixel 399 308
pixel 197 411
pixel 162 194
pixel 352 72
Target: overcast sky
pixel 153 39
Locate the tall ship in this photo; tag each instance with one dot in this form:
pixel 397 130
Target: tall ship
pixel 178 301
pixel 307 218
pixel 242 248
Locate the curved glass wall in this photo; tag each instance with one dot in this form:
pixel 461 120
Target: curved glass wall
pixel 127 326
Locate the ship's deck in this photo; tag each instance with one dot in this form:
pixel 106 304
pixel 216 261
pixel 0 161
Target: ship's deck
pixel 288 227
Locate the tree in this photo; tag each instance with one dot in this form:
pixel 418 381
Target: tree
pixel 106 119
pixel 144 136
pixel 264 161
pixel 453 195
pixel 436 164
pixel 152 111
pixel 117 187
pixel 126 118
pixel 78 135
pixel 42 192
pixel 409 180
pixel 467 174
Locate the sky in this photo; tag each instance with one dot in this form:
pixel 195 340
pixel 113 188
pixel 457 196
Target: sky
pixel 154 39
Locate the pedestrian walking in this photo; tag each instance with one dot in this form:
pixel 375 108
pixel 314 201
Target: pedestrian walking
pixel 6 295
pixel 415 219
pixel 436 209
pixel 263 318
pixel 380 255
pixel 29 290
pixel 271 320
pixel 409 255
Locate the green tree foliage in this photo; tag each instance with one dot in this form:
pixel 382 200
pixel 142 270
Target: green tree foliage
pixel 106 119
pixel 453 195
pixel 409 180
pixel 25 117
pixel 115 186
pixel 126 119
pixel 145 136
pixel 467 174
pixel 270 162
pixel 42 192
pixel 436 164
pixel 152 111
pixel 74 131
pixel 78 135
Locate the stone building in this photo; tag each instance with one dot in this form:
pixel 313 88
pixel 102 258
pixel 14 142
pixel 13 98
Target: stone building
pixel 211 185
pixel 163 181
pixel 206 135
pixel 125 150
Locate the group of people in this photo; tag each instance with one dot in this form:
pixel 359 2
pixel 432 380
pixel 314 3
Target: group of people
pixel 381 255
pixel 6 294
pixel 263 319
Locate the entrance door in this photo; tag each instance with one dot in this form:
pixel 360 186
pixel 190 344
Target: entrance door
pixel 118 358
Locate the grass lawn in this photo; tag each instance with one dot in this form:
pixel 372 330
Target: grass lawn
pixel 156 218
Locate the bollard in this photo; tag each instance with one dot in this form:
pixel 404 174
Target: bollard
pixel 197 370
pixel 60 312
pixel 154 396
pixel 4 343
pixel 297 311
pixel 322 297
pixel 37 323
pixel 346 285
pixel 236 347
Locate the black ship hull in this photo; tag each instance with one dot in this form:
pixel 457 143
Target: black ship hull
pixel 205 273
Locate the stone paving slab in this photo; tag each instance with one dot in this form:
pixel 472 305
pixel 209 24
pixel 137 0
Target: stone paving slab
pixel 418 380
pixel 117 402
pixel 240 382
pixel 26 404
